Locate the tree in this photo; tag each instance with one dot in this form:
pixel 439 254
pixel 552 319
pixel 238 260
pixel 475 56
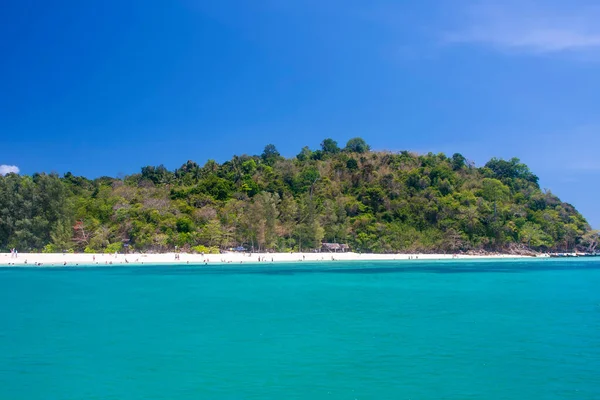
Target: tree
pixel 458 161
pixel 81 234
pixel 305 154
pixel 357 145
pixel 493 190
pixel 288 211
pixel 212 233
pixel 512 169
pixel 330 146
pixel 533 236
pixel 270 154
pixel 591 240
pixel 157 175
pixel 184 225
pixel 188 173
pixel 306 180
pixel 262 218
pixel 61 236
pixel 351 164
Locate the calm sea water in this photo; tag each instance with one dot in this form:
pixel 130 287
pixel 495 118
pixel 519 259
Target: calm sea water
pixel 388 330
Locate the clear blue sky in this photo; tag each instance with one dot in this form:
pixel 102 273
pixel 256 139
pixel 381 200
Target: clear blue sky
pixel 104 88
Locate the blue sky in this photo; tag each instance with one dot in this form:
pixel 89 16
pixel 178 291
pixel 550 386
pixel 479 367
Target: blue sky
pixel 104 88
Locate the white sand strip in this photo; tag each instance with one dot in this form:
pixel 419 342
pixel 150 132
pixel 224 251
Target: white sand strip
pixel 67 259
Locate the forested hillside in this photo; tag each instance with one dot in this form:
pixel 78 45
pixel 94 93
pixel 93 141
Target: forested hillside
pixel 373 201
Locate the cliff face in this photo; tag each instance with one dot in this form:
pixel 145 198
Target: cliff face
pixel 373 201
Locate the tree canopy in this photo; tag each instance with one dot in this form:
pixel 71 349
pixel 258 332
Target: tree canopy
pixel 373 201
pixel 357 145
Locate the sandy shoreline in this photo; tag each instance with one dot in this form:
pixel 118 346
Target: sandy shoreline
pixel 60 259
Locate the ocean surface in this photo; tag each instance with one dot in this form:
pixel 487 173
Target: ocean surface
pixel 381 330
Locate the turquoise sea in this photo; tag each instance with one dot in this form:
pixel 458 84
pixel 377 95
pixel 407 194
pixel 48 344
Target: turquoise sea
pixel 385 330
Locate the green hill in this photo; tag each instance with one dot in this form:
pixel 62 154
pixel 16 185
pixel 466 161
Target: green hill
pixel 373 201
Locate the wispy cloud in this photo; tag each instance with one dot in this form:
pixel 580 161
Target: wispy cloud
pixel 7 169
pixel 523 27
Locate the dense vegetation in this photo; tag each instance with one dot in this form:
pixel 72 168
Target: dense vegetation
pixel 374 201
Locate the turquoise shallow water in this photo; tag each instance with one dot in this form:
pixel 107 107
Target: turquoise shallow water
pixel 388 330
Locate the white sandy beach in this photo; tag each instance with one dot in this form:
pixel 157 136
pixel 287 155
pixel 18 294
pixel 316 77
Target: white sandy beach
pixel 67 259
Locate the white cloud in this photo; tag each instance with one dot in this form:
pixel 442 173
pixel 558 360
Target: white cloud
pixel 533 29
pixel 7 169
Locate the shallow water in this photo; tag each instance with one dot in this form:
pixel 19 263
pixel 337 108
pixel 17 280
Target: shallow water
pixel 379 330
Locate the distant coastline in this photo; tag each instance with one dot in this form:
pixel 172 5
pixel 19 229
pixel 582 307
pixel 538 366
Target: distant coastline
pixel 330 200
